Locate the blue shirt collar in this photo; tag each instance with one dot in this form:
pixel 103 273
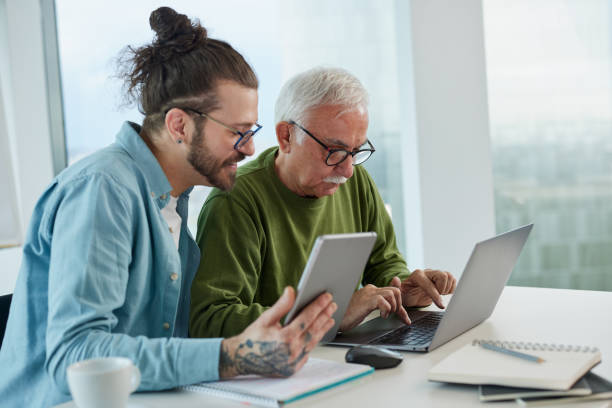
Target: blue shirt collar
pixel 129 139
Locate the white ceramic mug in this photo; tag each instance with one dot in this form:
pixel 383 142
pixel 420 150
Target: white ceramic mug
pixel 103 382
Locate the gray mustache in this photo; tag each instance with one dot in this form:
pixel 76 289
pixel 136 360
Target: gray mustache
pixel 336 179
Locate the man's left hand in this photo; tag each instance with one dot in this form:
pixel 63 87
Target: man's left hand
pixel 425 286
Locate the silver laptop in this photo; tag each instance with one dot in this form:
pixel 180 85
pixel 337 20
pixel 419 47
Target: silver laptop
pixel 475 297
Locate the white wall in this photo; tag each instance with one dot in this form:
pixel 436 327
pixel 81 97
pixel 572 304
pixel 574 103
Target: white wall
pixel 24 93
pixel 448 174
pixel 10 259
pixel 10 219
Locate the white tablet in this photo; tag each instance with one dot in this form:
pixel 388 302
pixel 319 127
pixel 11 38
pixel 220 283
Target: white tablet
pixel 335 265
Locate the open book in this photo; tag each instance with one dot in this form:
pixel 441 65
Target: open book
pixel 317 375
pixel 472 364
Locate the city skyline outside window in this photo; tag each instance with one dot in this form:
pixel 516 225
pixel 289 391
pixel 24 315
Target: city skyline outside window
pixel 549 68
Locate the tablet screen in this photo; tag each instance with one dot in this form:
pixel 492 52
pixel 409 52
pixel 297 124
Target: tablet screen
pixel 335 265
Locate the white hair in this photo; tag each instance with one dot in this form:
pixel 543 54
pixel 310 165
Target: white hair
pixel 319 87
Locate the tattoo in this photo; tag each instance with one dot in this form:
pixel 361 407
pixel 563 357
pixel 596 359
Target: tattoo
pixel 269 358
pixel 307 338
pixel 225 363
pixel 302 355
pixel 302 326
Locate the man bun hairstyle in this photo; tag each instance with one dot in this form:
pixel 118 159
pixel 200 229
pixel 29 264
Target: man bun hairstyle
pixel 318 87
pixel 170 25
pixel 179 68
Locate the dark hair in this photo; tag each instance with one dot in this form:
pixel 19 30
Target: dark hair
pixel 181 67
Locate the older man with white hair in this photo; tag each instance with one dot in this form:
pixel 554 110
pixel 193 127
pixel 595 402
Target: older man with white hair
pixel 256 238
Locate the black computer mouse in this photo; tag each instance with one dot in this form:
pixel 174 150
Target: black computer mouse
pixel 374 356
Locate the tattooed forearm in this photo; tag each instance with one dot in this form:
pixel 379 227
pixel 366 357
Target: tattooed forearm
pixel 269 358
pixel 226 366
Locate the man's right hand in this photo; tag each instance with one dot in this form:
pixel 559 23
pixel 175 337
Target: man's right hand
pixel 267 348
pixel 387 299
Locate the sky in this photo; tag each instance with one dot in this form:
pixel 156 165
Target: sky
pixel 549 59
pixel 93 100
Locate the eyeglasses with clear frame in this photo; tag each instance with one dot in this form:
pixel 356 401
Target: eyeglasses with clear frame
pixel 243 137
pixel 336 156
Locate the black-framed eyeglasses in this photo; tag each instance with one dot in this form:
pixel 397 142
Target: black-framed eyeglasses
pixel 336 156
pixel 244 137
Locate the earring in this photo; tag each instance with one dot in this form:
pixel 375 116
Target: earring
pixel 179 141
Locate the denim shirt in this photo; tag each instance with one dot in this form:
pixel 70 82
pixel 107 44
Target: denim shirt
pixel 101 276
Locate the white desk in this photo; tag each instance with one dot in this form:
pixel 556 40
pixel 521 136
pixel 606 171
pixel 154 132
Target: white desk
pixel 522 314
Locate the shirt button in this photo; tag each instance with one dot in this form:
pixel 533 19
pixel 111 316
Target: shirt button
pixel 174 276
pixel 171 230
pixel 166 325
pixel 163 196
pixel 152 194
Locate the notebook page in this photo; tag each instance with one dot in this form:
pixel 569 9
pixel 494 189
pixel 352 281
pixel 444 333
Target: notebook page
pixel 473 364
pixel 315 374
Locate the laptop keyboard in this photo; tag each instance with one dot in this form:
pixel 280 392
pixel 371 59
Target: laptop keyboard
pixel 418 333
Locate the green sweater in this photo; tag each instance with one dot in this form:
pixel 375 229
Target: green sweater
pixel 256 239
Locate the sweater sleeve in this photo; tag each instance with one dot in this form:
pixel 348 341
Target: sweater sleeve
pixel 386 261
pixel 223 290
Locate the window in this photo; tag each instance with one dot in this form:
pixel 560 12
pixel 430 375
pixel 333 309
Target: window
pixel 279 38
pixel 549 66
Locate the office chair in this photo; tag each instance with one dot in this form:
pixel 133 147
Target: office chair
pixel 5 305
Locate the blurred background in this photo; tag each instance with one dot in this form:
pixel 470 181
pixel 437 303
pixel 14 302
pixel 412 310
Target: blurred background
pixel 486 115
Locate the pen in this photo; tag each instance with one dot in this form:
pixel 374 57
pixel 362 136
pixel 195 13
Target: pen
pixel 518 354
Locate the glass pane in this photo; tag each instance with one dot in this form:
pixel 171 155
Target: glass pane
pixel 549 66
pixel 279 38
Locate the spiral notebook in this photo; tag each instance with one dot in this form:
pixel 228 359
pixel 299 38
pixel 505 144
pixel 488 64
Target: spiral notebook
pixel 563 365
pixel 317 375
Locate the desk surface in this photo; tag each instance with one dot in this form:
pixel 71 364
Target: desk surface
pixel 522 314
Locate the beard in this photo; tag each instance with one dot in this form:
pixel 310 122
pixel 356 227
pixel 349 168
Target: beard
pixel 210 166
